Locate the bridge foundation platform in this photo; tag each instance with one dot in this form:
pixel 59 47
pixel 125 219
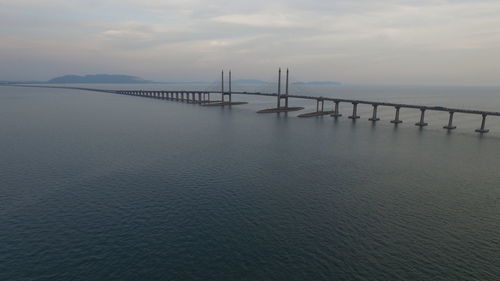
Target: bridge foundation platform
pixel 317 113
pixel 280 110
pixel 223 103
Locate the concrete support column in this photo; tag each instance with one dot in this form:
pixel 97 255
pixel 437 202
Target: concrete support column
pixel 322 105
pixel 482 130
pixel 317 106
pixel 199 98
pixel 354 115
pixel 336 110
pixel 396 119
pixel 422 117
pixel 450 122
pixel 374 116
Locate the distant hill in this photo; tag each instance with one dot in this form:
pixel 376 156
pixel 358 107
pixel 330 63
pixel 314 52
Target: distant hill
pixel 335 83
pixel 250 81
pixel 99 78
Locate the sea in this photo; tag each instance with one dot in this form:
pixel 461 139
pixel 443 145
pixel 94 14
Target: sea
pixel 101 186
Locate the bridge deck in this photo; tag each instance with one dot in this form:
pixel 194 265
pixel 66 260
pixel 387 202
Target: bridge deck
pixel 341 100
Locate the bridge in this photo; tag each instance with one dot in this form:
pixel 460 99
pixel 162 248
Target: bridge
pixel 224 98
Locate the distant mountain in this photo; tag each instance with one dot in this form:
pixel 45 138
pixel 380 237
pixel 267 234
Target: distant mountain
pixel 250 81
pixel 319 83
pixel 99 78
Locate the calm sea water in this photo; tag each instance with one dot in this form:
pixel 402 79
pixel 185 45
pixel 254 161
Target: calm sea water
pixel 99 186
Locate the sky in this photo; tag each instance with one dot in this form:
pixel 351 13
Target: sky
pixel 445 42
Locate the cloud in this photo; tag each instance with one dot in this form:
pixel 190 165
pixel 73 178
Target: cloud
pixel 353 41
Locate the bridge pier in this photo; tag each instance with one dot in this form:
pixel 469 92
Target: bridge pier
pixel 354 115
pixel 336 112
pixel 318 101
pixel 450 122
pixel 482 130
pixel 374 116
pixel 422 116
pixel 396 118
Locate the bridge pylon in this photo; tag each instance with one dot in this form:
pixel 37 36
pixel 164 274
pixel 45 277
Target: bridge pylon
pixel 223 93
pixel 279 97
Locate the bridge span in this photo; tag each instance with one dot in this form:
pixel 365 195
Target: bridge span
pixel 206 98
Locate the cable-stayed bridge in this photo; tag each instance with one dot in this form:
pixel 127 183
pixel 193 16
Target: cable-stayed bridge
pixel 224 97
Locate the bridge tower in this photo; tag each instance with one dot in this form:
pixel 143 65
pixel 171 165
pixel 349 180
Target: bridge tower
pixel 224 94
pixel 278 102
pixel 279 97
pixel 285 96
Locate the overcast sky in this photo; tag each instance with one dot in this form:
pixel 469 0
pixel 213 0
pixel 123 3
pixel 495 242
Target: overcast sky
pixel 365 41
